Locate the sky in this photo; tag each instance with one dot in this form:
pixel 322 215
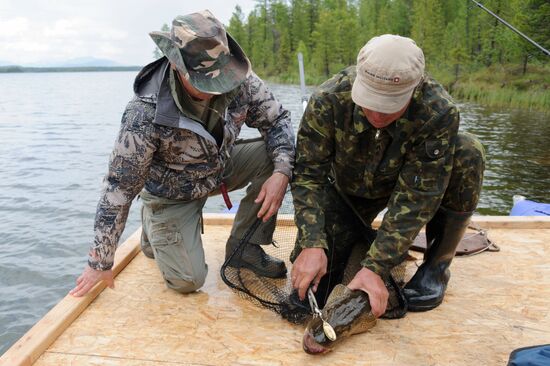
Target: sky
pixel 40 32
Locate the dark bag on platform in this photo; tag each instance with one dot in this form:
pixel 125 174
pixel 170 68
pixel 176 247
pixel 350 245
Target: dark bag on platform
pixel 471 243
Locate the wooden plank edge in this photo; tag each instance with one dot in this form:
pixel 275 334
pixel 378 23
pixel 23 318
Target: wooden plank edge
pixel 512 222
pixel 484 222
pixel 37 340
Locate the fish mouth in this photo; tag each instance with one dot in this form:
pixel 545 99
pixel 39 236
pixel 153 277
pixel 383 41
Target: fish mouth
pixel 311 346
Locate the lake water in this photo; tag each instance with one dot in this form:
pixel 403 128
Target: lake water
pixel 56 133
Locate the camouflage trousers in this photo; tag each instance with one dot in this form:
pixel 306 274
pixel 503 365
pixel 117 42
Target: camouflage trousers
pixel 173 227
pixel 347 227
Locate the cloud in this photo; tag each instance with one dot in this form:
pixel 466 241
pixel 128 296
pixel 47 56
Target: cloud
pixel 82 28
pixel 37 31
pixel 14 27
pixel 25 41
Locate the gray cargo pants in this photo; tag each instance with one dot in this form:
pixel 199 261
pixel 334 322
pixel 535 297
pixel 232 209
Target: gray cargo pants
pixel 173 227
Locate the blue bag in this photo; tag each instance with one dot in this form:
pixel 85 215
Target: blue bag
pixel 530 356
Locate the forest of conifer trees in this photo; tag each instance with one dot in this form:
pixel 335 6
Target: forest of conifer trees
pixel 458 38
pixel 330 32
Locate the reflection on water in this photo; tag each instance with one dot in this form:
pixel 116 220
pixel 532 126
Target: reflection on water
pixel 518 155
pixel 57 131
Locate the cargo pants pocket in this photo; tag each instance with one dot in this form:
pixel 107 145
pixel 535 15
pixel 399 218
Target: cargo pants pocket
pixel 174 234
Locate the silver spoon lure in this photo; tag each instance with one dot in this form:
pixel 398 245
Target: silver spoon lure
pixel 327 328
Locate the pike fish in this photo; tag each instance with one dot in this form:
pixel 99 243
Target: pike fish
pixel 347 312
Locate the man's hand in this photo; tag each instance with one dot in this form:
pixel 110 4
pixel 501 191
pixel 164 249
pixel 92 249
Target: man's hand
pixel 310 266
pixel 368 281
pixel 89 278
pixel 272 194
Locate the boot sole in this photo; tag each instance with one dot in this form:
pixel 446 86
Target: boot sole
pixel 425 307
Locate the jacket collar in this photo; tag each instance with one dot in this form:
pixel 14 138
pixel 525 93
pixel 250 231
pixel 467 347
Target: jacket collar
pixel 151 85
pixel 361 123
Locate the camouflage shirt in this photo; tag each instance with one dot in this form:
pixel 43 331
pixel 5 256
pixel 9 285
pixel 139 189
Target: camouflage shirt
pixel 408 162
pixel 174 156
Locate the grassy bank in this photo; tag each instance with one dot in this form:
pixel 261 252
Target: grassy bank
pixel 503 86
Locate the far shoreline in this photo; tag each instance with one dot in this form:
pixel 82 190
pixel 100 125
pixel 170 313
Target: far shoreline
pixel 15 69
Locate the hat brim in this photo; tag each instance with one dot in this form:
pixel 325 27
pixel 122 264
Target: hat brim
pixel 230 76
pixel 365 96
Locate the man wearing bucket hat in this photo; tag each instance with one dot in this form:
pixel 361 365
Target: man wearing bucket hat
pixel 382 134
pixel 178 145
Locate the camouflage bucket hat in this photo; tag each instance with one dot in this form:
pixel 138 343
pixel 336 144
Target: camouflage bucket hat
pixel 204 52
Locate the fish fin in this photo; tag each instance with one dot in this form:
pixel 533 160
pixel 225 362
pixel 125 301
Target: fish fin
pixel 364 325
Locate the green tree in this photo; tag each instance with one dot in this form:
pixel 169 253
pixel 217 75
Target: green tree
pixel 300 29
pixel 323 44
pixel 491 33
pixel 281 46
pixel 369 17
pixel 349 39
pixel 257 32
pixel 428 28
pixel 237 29
pixel 394 18
pixel 455 40
pixel 537 27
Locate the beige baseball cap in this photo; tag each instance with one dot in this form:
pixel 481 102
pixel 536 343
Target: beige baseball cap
pixel 389 67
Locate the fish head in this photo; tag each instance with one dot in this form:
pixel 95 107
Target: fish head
pixel 315 341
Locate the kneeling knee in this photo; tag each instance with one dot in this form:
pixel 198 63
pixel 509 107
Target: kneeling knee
pixel 470 151
pixel 185 286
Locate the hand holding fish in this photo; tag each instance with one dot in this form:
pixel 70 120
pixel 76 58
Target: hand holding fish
pixel 88 280
pixel 371 283
pixel 310 266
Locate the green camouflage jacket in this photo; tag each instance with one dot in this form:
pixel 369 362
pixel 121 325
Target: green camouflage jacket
pixel 409 163
pixel 174 156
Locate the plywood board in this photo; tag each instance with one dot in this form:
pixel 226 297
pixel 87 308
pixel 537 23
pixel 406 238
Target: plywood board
pixel 496 302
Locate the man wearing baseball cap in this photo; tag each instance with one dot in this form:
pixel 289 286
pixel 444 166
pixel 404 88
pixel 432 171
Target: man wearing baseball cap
pixel 177 146
pixel 382 134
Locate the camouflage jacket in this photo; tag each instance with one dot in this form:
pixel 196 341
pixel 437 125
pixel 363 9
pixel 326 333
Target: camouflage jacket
pixel 408 162
pixel 173 156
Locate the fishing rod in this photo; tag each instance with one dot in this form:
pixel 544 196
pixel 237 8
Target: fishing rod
pixel 544 50
pixel 302 80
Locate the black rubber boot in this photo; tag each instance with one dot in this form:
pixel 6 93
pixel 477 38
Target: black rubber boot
pixel 426 289
pixel 254 258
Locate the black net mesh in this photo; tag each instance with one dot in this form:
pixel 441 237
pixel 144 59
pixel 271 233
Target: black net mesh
pixel 277 294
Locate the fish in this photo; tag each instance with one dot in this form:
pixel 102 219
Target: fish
pixel 347 311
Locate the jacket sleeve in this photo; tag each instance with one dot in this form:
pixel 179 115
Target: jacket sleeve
pixel 420 187
pixel 273 121
pixel 314 156
pixel 128 169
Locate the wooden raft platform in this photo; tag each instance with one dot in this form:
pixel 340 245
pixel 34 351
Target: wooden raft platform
pixel 495 302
